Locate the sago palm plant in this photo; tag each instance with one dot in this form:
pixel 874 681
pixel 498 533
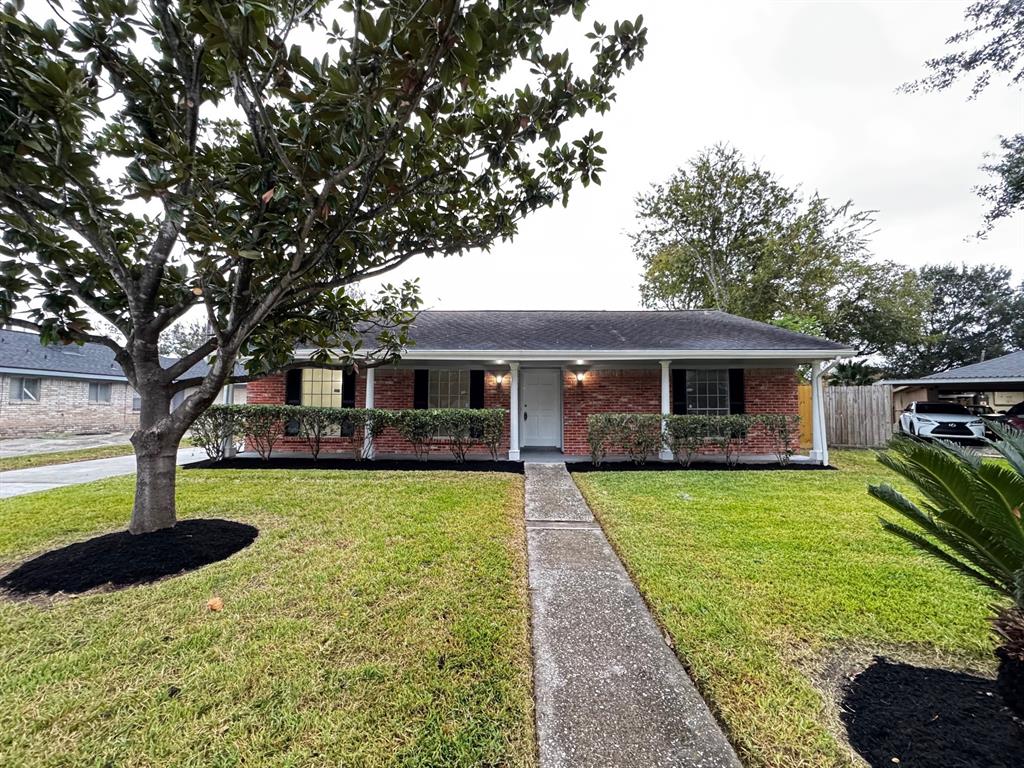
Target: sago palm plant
pixel 969 517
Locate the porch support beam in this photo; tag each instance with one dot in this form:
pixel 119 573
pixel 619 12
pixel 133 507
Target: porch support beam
pixel 666 410
pixel 513 412
pixel 368 449
pixel 819 441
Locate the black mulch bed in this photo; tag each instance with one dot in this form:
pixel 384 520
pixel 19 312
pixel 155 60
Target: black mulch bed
pixel 118 560
pixel 929 718
pixel 295 462
pixel 702 466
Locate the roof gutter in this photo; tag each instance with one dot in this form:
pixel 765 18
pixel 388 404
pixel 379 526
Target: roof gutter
pixel 963 382
pixel 600 355
pixel 50 374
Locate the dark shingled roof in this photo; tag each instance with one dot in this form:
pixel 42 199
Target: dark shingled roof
pixel 21 350
pixel 571 330
pixel 1010 367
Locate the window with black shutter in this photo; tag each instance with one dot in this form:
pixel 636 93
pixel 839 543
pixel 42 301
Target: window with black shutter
pixel 737 396
pixel 420 387
pixel 679 391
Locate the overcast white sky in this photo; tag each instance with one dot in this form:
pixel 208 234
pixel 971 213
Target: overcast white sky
pixel 808 90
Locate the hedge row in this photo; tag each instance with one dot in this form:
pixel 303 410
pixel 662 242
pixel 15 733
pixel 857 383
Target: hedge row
pixel 640 435
pixel 264 425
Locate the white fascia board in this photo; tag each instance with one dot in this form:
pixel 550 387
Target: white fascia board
pixel 592 355
pixel 961 382
pixel 43 374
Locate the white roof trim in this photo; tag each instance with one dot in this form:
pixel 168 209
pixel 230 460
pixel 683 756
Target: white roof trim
pixel 38 373
pixel 964 381
pixel 598 355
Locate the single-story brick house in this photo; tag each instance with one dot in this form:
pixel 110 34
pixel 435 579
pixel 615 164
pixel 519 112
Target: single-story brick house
pixel 553 369
pixel 67 389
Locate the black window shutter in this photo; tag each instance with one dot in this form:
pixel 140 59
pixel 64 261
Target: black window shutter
pixel 293 387
pixel 737 399
pixel 678 391
pixel 476 389
pixel 348 389
pixel 420 386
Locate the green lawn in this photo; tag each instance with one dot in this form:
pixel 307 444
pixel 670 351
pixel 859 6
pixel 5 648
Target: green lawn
pixel 761 576
pixel 29 460
pixel 379 619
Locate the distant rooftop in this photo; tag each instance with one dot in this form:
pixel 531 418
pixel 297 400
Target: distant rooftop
pixel 22 352
pixel 1008 368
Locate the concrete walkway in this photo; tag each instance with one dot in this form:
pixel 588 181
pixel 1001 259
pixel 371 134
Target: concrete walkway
pixel 21 481
pixel 609 691
pixel 23 446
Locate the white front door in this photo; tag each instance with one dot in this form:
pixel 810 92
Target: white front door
pixel 540 410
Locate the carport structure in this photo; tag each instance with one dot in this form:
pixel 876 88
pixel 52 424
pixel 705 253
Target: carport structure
pixel 998 383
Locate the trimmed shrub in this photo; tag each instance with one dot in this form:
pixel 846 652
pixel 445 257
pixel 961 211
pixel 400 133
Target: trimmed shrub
pixel 685 436
pixel 637 434
pixel 263 425
pixel 781 427
pixel 214 428
pixel 418 428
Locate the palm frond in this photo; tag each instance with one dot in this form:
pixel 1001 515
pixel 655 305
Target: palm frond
pixel 1010 444
pixel 927 546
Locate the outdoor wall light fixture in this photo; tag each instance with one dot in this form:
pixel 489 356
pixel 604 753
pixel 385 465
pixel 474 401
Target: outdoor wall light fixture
pixel 499 378
pixel 579 377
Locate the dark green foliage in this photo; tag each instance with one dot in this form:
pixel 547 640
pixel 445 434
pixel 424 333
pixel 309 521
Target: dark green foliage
pixel 973 314
pixel 265 157
pixel 262 425
pixel 969 513
pixel 782 428
pixel 855 373
pixel 214 428
pixel 640 435
pixel 725 234
pixel 992 44
pixel 457 428
pixel 968 516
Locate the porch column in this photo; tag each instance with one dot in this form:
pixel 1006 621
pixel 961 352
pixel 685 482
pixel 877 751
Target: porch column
pixel 666 410
pixel 513 412
pixel 229 441
pixel 819 441
pixel 368 449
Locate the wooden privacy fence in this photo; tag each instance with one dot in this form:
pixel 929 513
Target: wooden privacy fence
pixel 856 417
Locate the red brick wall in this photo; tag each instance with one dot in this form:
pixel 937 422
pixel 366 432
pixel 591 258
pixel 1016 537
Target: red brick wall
pixel 392 390
pixel 767 390
pixel 605 391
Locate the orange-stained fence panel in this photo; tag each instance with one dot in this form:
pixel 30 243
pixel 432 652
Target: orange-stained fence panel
pixel 806 433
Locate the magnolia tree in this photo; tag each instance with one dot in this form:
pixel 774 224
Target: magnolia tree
pixel 160 157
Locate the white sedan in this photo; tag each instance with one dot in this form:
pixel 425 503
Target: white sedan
pixel 944 421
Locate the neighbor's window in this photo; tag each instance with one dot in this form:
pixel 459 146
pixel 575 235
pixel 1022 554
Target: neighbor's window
pixel 136 401
pixel 707 392
pixel 99 392
pixel 448 388
pixel 24 390
pixel 321 387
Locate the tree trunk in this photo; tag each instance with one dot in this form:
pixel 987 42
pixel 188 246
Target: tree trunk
pixel 154 490
pixel 156 453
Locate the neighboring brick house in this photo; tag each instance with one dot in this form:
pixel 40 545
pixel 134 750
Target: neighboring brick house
pixel 553 369
pixel 65 389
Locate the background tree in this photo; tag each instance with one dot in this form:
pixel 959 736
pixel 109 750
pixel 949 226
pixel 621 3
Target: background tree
pixel 973 314
pixel 183 337
pixel 853 373
pixel 993 44
pixel 726 234
pixel 163 156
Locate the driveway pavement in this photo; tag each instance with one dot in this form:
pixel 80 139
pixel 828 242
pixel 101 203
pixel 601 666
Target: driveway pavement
pixel 22 446
pixel 21 481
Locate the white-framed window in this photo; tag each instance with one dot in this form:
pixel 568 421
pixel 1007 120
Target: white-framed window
pixel 99 392
pixel 25 389
pixel 448 388
pixel 707 392
pixel 321 387
pixel 136 402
